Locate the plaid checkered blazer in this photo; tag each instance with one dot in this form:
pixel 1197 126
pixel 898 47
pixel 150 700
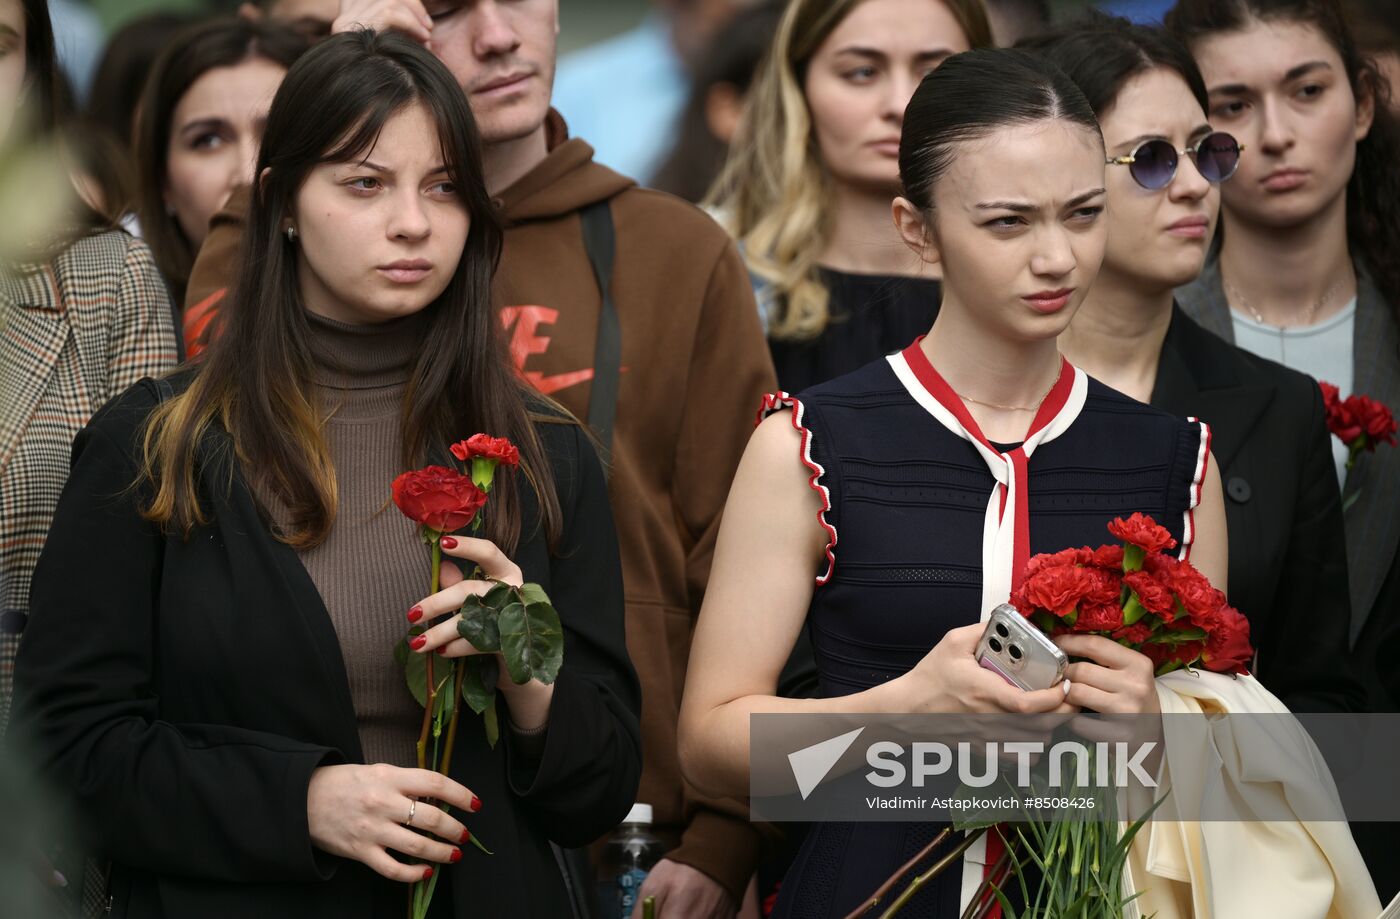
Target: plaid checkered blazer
pixel 74 332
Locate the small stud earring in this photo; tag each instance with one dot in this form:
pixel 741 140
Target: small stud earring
pixel 291 234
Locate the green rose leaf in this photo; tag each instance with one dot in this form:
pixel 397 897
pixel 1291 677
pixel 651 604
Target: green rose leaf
pixel 532 641
pixel 479 682
pixel 415 669
pixel 478 625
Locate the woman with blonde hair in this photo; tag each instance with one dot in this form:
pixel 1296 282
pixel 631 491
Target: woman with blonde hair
pixel 808 184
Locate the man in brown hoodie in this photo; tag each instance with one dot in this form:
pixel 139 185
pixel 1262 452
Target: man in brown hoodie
pixel 694 366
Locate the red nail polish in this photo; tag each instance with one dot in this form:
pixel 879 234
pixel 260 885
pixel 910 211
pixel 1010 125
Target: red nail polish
pixel 415 614
pixel 456 856
pixel 427 873
pixel 417 642
pixel 475 805
pixel 449 543
pixel 442 650
pixel 466 836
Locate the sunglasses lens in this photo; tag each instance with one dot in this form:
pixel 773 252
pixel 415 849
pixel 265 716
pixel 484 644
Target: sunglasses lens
pixel 1218 157
pixel 1154 164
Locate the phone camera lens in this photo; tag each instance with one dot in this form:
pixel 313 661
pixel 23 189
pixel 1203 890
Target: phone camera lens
pixel 1002 630
pixel 1015 653
pixel 994 645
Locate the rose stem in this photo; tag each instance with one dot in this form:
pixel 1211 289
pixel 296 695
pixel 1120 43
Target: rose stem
pixel 431 695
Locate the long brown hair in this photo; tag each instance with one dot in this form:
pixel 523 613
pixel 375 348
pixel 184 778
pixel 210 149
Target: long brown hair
pixel 773 194
pixel 1373 192
pixel 255 379
pixel 191 54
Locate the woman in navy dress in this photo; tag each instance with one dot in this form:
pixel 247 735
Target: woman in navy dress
pixel 928 478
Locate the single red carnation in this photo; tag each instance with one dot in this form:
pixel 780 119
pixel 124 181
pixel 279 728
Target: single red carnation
pixel 439 498
pixel 1057 590
pixel 1202 601
pixel 1109 557
pixel 1227 643
pixel 1142 531
pixel 1056 559
pixel 1375 419
pixel 1134 634
pixel 1099 617
pixel 1331 395
pixel 484 446
pixel 1106 586
pixel 1151 593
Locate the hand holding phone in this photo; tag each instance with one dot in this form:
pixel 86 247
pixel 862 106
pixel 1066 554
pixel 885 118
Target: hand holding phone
pixel 1018 652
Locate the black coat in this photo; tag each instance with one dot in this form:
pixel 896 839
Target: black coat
pixel 1288 562
pixel 182 692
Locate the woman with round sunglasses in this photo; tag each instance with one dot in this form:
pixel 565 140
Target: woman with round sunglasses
pixel 1166 163
pixel 1307 270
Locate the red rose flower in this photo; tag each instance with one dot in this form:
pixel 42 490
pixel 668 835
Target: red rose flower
pixel 1227 643
pixel 439 498
pixel 1151 593
pixel 484 446
pixel 1099 617
pixel 1142 531
pixel 1057 590
pixel 1376 419
pixel 1134 634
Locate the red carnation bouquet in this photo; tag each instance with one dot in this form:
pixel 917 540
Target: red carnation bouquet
pixel 1360 422
pixel 519 622
pixel 1143 599
pixel 1140 598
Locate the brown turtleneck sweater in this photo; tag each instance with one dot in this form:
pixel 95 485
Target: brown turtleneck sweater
pixel 373 566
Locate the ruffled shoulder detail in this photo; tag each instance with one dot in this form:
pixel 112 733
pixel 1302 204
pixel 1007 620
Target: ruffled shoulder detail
pixel 1193 487
pixel 776 402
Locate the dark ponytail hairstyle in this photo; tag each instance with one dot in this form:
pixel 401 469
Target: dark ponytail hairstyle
pixel 1373 194
pixel 971 95
pixel 1101 53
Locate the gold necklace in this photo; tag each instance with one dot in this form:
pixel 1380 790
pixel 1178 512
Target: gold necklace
pixel 1013 408
pixel 1309 317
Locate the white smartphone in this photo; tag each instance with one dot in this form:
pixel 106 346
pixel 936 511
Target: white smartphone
pixel 1018 652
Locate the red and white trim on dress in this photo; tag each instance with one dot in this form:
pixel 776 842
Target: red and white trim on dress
pixel 775 402
pixel 1006 526
pixel 1198 478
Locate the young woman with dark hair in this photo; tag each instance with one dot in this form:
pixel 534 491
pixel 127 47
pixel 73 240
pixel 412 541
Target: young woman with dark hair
pixel 226 711
pixel 909 458
pixel 1169 164
pixel 1307 270
pixel 197 130
pixel 83 315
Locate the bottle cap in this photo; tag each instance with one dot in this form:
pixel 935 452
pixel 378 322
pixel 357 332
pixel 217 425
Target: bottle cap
pixel 640 813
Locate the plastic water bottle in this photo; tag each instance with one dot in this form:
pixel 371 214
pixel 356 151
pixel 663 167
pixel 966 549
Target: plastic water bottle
pixel 631 852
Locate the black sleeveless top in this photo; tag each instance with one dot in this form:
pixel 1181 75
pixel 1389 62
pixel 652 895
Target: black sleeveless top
pixel 907 499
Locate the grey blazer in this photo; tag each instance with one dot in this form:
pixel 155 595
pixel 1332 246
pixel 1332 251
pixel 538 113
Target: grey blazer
pixel 1372 524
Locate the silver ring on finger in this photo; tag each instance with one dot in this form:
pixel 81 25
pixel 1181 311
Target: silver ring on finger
pixel 412 809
